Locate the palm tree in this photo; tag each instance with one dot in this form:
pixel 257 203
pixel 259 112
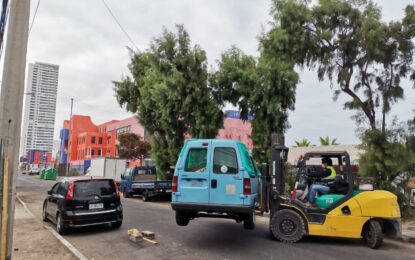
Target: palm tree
pixel 326 141
pixel 303 143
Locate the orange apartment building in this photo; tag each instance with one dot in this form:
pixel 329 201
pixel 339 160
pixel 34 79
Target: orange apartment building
pixel 81 140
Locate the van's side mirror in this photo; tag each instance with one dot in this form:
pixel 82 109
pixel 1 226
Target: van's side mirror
pixel 49 192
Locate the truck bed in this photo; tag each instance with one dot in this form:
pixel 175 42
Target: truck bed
pixel 151 184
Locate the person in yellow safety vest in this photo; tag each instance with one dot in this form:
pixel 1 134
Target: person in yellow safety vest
pixel 328 173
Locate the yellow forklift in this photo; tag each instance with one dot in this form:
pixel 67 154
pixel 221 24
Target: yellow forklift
pixel 344 212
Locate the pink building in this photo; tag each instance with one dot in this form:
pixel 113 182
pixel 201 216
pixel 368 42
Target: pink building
pixel 129 125
pixel 236 129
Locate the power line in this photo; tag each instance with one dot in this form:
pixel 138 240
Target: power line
pixel 34 17
pixel 116 20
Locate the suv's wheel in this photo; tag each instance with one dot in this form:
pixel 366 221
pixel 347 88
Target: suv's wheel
pixel 287 226
pixel 182 218
pixel 249 220
pixel 146 196
pixel 44 214
pixel 60 226
pixel 116 224
pixel 372 234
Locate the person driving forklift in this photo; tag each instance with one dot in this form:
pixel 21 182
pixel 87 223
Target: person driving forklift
pixel 321 179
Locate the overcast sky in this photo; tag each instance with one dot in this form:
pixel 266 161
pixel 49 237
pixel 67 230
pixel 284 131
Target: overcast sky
pixel 83 39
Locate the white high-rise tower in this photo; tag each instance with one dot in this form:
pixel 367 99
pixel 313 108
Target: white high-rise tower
pixel 40 107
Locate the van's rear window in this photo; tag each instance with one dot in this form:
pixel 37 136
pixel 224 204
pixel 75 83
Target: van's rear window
pixel 89 188
pixel 196 160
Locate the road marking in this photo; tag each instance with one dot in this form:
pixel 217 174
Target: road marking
pixel 65 242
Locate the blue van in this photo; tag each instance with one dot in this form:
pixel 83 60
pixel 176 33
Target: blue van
pixel 215 178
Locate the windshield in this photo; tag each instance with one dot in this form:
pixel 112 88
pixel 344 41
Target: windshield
pixel 91 188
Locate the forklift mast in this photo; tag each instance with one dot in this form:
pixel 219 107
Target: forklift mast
pixel 274 181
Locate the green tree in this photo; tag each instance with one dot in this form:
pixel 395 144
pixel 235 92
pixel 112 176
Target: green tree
pixel 168 91
pixel 132 147
pixel 326 141
pixel 347 42
pixel 263 87
pixel 303 143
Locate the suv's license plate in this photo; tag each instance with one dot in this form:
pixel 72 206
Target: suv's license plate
pixel 96 206
pixel 169 190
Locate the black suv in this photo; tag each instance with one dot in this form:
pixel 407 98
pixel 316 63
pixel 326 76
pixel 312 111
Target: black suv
pixel 83 201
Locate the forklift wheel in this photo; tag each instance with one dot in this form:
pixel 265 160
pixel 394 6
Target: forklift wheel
pixel 287 226
pixel 372 234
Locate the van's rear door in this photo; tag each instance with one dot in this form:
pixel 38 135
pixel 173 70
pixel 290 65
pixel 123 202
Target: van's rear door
pixel 226 179
pixel 193 182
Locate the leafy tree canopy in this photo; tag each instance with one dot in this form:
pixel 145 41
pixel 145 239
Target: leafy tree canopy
pixel 264 87
pixel 326 141
pixel 132 147
pixel 349 43
pixel 169 93
pixel 303 143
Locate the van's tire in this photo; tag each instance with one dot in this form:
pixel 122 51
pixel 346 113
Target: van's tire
pixel 372 234
pixel 182 218
pixel 60 226
pixel 249 220
pixel 126 194
pixel 287 226
pixel 146 196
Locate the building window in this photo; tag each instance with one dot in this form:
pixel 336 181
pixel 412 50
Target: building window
pixel 92 152
pixel 109 140
pixel 93 139
pixel 99 140
pixel 99 152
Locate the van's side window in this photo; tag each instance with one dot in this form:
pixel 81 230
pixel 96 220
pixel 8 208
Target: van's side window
pixel 196 160
pixel 225 160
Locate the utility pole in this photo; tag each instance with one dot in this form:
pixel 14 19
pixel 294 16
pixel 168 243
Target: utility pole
pixel 70 127
pixel 11 102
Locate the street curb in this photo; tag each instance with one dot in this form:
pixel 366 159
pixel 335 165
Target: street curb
pixel 75 252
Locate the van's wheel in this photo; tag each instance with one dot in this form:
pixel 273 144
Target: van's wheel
pixel 60 226
pixel 287 226
pixel 372 234
pixel 182 218
pixel 249 220
pixel 126 194
pixel 146 196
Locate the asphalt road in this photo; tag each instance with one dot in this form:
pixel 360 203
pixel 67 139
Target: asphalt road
pixel 202 238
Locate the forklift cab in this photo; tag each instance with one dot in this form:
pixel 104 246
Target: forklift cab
pixel 340 188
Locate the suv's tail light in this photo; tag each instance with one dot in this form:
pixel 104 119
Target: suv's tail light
pixel 247 186
pixel 69 193
pixel 174 184
pixel 117 191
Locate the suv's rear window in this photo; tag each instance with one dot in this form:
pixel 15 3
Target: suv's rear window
pixel 91 188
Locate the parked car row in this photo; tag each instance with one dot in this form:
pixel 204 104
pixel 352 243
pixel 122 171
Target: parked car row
pixel 75 202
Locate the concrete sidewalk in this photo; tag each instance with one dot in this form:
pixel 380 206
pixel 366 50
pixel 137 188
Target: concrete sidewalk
pixel 31 240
